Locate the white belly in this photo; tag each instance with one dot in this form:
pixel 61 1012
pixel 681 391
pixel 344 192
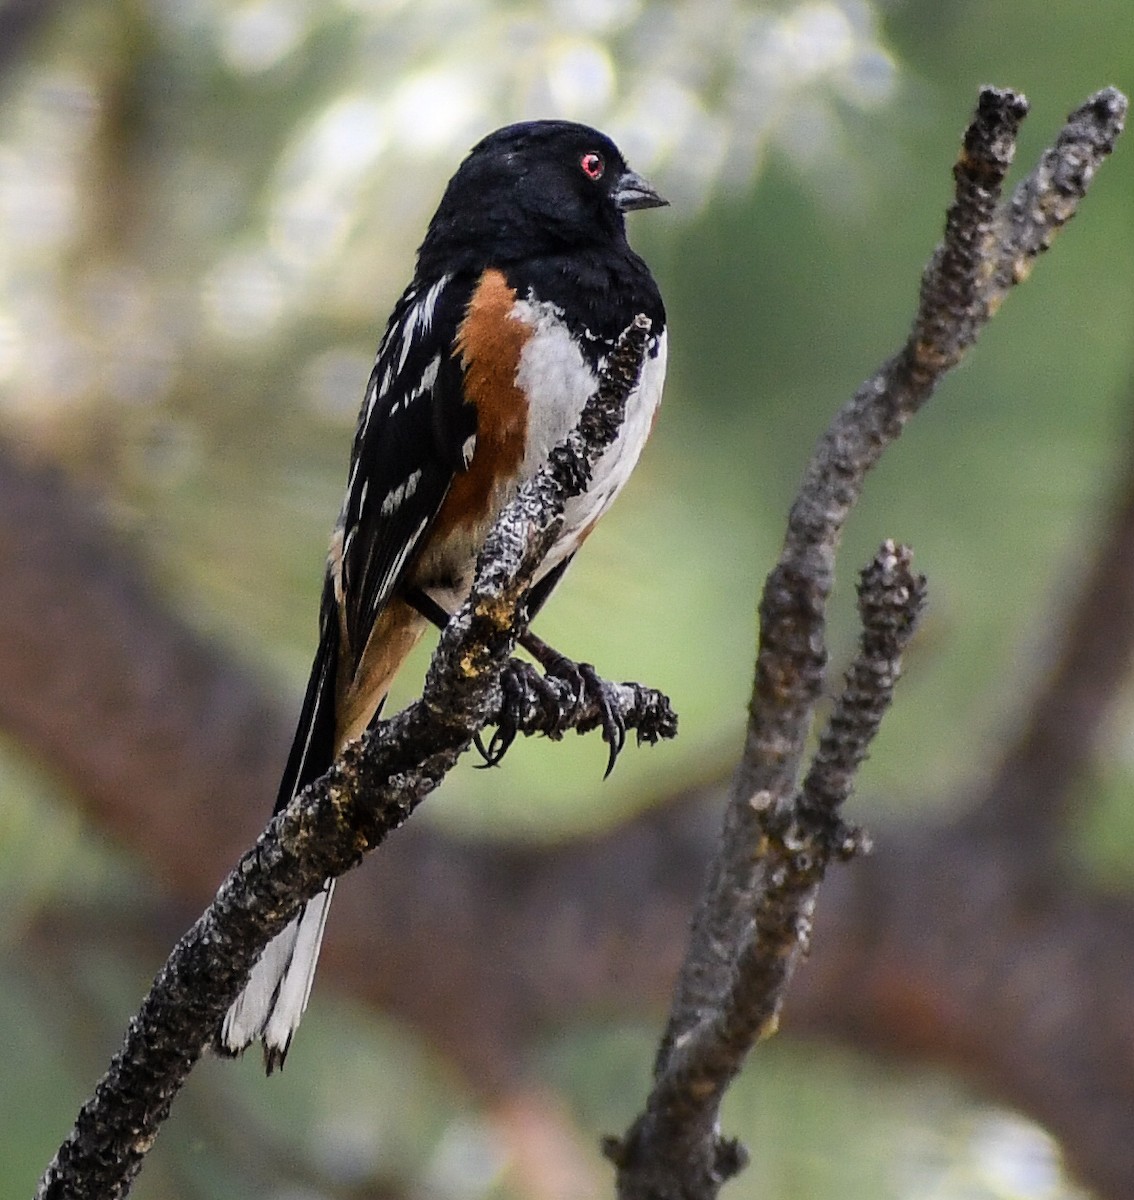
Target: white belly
pixel 558 382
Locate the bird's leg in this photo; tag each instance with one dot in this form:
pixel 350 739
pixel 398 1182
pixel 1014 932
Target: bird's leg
pixel 427 607
pixel 520 682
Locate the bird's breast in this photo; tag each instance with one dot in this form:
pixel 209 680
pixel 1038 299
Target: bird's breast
pixel 529 373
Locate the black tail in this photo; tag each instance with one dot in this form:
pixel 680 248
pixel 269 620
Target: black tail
pixel 313 749
pixel 275 995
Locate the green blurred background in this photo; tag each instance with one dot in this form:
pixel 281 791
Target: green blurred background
pixel 206 212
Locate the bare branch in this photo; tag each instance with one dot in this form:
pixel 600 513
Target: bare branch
pixel 669 1147
pixel 890 600
pixel 759 886
pixel 369 791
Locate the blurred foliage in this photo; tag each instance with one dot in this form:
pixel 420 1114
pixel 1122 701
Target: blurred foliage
pixel 206 211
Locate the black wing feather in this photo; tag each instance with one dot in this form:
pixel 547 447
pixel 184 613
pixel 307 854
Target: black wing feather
pixel 313 749
pixel 406 430
pixel 407 449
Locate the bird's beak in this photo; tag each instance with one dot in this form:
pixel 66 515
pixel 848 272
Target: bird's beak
pixel 634 192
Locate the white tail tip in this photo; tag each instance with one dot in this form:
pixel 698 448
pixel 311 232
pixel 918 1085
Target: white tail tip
pixel 277 991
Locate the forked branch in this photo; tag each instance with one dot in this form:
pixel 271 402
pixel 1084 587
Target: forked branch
pixel 753 920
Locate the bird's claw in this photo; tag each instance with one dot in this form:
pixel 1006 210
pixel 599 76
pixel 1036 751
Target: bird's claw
pixel 521 687
pixel 593 686
pixel 529 701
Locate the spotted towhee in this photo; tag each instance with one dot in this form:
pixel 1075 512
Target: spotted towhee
pixel 523 284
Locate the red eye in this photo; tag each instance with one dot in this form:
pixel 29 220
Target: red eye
pixel 592 165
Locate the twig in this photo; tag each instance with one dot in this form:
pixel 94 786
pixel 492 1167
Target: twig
pixel 755 892
pixel 368 792
pixel 890 600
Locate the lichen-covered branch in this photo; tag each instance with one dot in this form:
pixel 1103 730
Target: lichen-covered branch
pixel 753 887
pixel 369 791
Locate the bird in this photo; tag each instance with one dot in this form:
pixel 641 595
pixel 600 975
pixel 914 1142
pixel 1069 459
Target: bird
pixel 523 283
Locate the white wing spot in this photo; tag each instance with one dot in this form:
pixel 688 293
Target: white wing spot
pixel 407 338
pixel 425 384
pixel 468 449
pixel 428 305
pixel 392 501
pixel 395 499
pixel 420 316
pixel 371 397
pixel 429 375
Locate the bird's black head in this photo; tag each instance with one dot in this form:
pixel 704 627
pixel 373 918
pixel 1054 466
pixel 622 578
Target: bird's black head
pixel 540 187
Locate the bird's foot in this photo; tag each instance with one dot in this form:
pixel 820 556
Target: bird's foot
pixel 552 703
